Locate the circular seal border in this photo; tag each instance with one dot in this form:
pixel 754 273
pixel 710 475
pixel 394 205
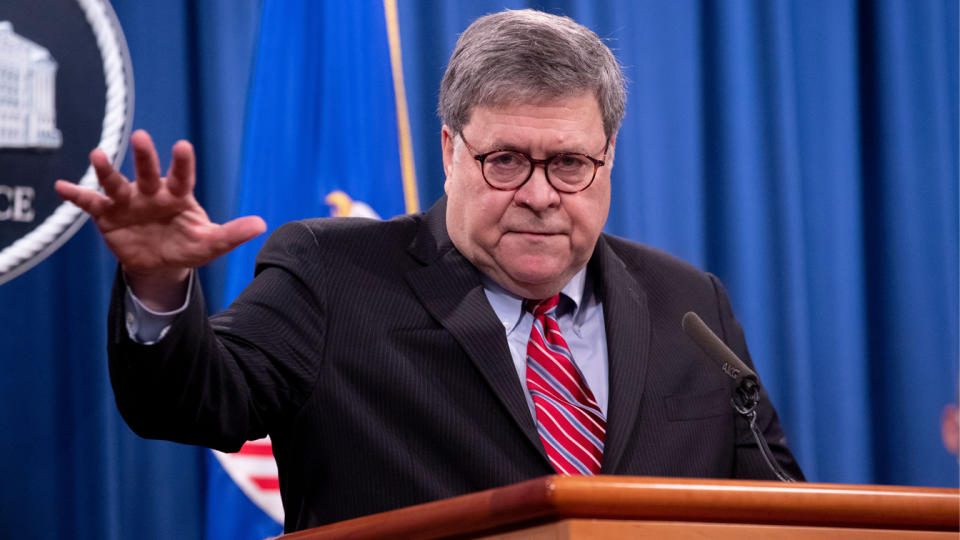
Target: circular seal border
pixel 39 243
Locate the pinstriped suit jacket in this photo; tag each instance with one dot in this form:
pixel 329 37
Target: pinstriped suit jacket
pixel 369 353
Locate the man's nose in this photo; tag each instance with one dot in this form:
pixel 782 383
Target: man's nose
pixel 537 192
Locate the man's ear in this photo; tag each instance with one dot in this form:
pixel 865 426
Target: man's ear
pixel 446 145
pixel 611 149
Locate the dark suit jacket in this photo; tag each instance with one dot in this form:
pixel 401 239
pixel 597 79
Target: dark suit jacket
pixel 369 353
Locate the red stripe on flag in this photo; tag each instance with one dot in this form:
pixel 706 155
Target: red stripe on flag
pixel 266 482
pixel 256 449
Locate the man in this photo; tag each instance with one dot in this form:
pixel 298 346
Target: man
pixel 496 338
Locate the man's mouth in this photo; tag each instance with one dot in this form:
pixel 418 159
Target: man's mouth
pixel 534 235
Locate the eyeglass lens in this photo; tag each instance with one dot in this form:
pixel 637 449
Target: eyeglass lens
pixel 507 169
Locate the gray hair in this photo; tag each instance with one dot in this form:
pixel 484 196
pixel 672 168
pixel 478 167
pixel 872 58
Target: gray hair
pixel 529 56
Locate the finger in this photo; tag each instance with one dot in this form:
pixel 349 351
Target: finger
pixel 89 200
pixel 182 174
pixel 240 230
pixel 146 162
pixel 114 184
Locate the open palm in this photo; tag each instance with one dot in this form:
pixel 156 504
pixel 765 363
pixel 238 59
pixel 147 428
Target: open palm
pixel 154 225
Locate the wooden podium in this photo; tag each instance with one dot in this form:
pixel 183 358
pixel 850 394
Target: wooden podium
pixel 559 507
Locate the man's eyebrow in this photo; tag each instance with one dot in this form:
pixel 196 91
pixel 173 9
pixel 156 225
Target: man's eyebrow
pixel 498 144
pixel 501 144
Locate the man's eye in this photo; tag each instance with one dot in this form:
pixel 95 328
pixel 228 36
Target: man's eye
pixel 569 162
pixel 505 159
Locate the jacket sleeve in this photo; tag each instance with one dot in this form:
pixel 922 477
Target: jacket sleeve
pixel 220 381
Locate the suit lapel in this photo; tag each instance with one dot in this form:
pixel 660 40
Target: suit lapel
pixel 449 287
pixel 627 323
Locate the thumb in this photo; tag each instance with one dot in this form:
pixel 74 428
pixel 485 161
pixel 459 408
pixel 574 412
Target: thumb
pixel 240 230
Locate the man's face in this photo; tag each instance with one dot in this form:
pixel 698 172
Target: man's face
pixel 534 239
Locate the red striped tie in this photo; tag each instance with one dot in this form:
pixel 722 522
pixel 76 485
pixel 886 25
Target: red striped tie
pixel 569 420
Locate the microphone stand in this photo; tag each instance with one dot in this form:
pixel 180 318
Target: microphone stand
pixel 744 401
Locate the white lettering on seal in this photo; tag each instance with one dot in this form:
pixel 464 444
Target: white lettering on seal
pixel 16 203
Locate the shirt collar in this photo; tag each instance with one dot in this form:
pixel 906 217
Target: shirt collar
pixel 509 307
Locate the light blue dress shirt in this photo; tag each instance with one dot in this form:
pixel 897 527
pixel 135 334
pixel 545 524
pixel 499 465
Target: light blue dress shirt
pixel 146 326
pixel 580 317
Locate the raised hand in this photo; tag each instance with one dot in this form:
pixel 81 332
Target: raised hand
pixel 154 225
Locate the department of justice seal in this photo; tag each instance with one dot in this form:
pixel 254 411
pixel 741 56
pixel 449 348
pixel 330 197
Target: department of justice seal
pixel 66 87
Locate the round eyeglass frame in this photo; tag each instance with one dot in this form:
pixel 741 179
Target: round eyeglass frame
pixel 597 163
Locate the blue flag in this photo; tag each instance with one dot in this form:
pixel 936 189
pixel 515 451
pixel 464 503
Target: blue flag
pixel 326 134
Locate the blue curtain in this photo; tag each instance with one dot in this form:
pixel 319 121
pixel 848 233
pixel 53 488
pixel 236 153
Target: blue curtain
pixel 806 152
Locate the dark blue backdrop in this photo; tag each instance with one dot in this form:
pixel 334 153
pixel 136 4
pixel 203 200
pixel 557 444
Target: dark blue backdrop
pixel 806 152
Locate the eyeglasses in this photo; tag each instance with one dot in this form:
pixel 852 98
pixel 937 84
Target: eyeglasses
pixel 508 170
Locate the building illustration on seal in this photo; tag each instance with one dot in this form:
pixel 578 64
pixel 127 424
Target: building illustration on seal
pixel 28 116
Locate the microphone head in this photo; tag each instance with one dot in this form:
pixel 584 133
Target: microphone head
pixel 715 348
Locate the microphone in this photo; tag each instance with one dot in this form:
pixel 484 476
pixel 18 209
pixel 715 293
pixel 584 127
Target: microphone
pixel 716 349
pixel 746 395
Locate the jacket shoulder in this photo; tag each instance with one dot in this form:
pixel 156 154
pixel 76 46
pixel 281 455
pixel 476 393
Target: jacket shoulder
pixel 354 229
pixel 671 284
pixel 343 234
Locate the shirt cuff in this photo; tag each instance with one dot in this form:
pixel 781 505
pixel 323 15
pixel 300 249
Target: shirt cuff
pixel 146 326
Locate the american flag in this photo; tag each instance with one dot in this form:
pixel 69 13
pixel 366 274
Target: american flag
pixel 255 472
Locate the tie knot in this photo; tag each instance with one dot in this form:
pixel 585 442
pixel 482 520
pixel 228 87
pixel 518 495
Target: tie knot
pixel 541 307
